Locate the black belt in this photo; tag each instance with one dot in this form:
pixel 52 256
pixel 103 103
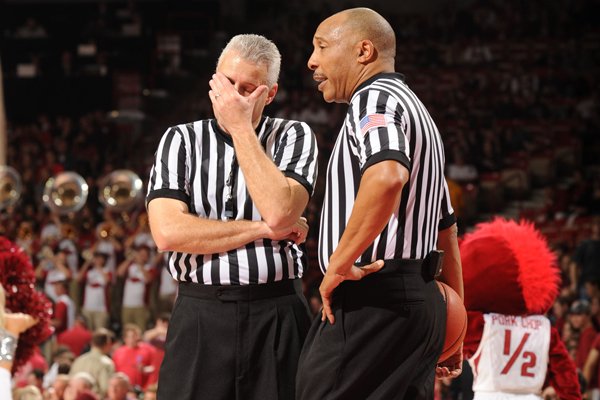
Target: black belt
pixel 240 292
pixel 429 267
pixel 402 266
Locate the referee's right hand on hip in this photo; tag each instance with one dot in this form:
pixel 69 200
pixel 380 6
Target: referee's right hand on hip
pixel 333 278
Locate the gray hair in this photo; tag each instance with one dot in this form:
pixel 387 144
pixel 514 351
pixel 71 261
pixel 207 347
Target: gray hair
pixel 256 49
pixel 85 377
pixel 122 378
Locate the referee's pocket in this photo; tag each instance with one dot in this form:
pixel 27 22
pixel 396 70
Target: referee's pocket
pixel 176 305
pixel 336 333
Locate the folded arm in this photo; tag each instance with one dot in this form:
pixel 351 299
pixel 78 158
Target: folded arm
pixel 175 229
pixel 279 199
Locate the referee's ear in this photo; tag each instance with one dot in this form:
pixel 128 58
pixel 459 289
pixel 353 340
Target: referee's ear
pixel 271 93
pixel 367 52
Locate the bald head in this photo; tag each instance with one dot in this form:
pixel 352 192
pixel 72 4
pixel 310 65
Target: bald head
pixel 348 48
pixel 365 24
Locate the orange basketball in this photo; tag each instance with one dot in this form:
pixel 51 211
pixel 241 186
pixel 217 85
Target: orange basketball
pixel 456 322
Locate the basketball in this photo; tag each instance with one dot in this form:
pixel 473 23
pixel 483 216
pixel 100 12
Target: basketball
pixel 456 321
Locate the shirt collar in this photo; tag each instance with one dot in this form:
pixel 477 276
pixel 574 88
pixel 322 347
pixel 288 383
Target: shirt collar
pixel 380 75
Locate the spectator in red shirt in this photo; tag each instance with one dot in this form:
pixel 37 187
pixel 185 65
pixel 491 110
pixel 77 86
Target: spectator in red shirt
pixel 591 372
pixel 135 358
pixel 77 338
pixel 64 310
pixel 157 337
pixel 581 324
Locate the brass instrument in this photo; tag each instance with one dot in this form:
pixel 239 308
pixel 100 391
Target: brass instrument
pixel 65 193
pixel 10 187
pixel 121 190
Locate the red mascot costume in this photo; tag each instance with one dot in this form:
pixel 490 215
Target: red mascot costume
pixel 511 280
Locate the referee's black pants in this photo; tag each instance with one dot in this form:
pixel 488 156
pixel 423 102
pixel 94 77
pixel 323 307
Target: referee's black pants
pixel 234 342
pixel 388 335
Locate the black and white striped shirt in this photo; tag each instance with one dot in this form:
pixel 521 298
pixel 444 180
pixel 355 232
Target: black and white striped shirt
pixel 192 164
pixel 386 121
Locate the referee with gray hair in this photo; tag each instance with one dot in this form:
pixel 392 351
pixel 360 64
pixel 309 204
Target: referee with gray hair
pixel 385 216
pixel 225 198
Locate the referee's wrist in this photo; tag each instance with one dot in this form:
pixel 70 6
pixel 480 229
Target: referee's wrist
pixel 335 273
pixel 339 268
pixel 263 229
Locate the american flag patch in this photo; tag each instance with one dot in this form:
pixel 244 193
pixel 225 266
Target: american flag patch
pixel 372 121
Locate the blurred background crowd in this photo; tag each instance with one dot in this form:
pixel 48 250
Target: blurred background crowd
pixel 90 86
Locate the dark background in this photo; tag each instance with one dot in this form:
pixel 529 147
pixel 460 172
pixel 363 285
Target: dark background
pixel 90 86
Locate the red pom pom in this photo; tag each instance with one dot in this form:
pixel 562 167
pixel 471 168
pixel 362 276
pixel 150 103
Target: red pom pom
pixel 18 279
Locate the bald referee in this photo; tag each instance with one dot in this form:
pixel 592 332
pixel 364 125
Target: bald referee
pixel 225 198
pixel 386 211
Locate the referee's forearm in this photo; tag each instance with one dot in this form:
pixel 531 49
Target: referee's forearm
pixel 209 236
pixel 174 229
pixel 279 204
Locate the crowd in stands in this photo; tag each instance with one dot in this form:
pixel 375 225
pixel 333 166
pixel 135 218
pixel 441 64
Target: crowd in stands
pixel 513 87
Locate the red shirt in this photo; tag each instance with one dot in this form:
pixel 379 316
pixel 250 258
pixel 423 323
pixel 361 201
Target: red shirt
pixel 131 360
pixel 60 313
pixel 157 359
pixel 586 339
pixel 77 338
pixel 595 382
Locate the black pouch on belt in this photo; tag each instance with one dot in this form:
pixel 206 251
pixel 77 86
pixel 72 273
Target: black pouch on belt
pixel 432 265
